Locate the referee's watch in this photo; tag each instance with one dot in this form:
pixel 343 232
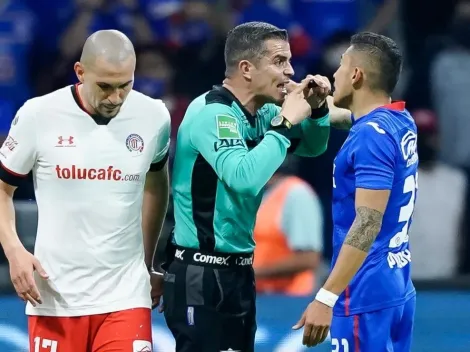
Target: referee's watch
pixel 280 122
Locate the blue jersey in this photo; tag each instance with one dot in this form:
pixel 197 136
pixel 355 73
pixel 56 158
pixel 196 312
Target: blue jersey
pixel 380 153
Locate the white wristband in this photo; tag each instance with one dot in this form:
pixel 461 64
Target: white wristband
pixel 326 297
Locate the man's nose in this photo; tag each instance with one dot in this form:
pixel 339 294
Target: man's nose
pixel 289 72
pixel 115 98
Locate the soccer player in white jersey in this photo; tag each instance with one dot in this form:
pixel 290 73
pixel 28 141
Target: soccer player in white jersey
pixel 98 152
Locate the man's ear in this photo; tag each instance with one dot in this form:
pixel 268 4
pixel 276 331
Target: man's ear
pixel 246 69
pixel 357 77
pixel 79 71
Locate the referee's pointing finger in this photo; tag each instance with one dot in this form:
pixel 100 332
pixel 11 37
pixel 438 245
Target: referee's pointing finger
pixel 303 85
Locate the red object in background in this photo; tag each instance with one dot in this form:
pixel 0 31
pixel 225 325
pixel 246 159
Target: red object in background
pixel 177 107
pixel 425 119
pixel 300 42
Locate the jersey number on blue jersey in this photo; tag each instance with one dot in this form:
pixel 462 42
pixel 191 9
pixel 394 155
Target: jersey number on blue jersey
pixel 402 258
pixel 340 345
pixel 334 183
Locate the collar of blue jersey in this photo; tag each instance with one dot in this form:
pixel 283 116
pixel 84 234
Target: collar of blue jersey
pixel 228 94
pixel 398 105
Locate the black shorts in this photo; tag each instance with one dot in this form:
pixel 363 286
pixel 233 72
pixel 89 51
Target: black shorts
pixel 209 301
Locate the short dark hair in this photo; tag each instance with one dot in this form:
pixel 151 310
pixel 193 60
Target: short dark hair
pixel 384 58
pixel 246 42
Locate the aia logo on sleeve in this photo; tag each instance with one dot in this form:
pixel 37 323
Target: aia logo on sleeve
pixel 227 143
pixel 9 144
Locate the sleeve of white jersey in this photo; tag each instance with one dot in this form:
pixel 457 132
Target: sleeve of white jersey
pixel 18 152
pixel 162 147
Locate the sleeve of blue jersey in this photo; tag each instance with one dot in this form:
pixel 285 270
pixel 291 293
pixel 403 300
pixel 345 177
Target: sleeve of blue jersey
pixel 373 155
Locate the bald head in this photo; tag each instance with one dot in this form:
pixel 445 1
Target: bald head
pixel 111 46
pixel 106 71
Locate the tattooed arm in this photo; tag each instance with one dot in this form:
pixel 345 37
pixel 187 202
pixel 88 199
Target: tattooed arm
pixel 370 207
pixel 373 154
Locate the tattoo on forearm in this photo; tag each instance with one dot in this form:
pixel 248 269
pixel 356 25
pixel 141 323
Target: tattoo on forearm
pixel 364 229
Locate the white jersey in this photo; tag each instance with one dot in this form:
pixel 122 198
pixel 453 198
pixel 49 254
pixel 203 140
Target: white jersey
pixel 89 181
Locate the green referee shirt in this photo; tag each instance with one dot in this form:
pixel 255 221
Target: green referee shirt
pixel 224 158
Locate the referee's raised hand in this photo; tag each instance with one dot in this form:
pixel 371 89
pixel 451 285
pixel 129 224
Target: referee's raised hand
pixel 295 107
pixel 315 93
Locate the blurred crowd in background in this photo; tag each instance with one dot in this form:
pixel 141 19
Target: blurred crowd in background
pixel 180 55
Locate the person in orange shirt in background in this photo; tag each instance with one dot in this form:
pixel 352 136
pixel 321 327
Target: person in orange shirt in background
pixel 288 235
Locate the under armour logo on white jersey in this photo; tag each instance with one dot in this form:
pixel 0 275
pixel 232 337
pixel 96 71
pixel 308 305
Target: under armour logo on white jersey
pixel 65 141
pixel 376 127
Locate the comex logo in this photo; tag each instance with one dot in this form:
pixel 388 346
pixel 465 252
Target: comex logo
pixel 409 148
pixel 210 259
pixel 244 261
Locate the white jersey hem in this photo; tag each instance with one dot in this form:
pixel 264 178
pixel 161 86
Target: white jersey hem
pixel 84 311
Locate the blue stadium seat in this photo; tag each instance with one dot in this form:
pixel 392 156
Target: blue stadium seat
pixel 6 116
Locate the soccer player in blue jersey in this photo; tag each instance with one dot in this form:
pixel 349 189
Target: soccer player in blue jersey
pixel 368 299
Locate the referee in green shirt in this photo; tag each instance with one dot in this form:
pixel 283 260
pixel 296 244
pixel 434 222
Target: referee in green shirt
pixel 231 141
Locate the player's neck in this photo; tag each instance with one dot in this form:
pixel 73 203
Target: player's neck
pixel 364 103
pixel 83 100
pixel 243 94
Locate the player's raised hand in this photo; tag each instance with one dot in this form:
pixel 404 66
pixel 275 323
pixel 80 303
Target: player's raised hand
pixel 22 265
pixel 295 108
pixel 316 321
